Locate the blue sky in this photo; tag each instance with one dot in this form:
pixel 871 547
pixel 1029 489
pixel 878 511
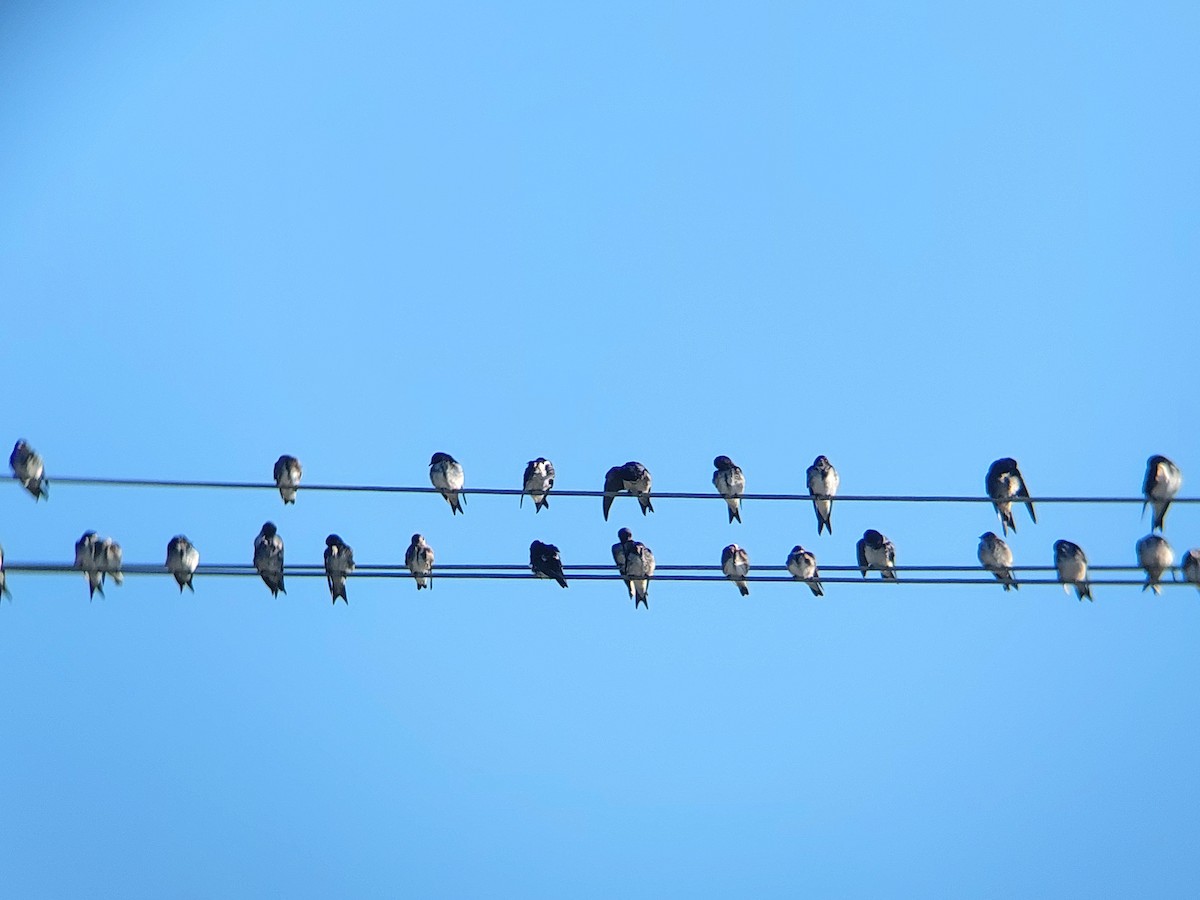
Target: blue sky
pixel 913 239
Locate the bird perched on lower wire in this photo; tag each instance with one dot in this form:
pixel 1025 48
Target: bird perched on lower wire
pixel 339 563
pixel 287 477
pixel 446 473
pixel 730 484
pixel 735 563
pixel 635 562
pixel 1154 555
pixel 1003 483
pixel 85 559
pixel 1163 481
pixel 632 477
pixel 268 558
pixel 803 566
pixel 28 469
pixel 876 552
pixel 418 559
pixel 537 482
pixel 1072 565
pixel 3 578
pixel 823 484
pixel 108 560
pixel 545 562
pixel 996 556
pixel 182 559
pixel 1191 566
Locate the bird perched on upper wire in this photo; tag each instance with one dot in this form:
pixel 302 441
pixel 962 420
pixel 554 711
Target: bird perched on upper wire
pixel 730 484
pixel 803 566
pixel 537 482
pixel 28 469
pixel 1003 484
pixel 996 556
pixel 735 563
pixel 823 484
pixel 268 558
pixel 1154 555
pixel 1072 566
pixel 447 476
pixel 545 561
pixel 418 558
pixel 635 562
pixel 632 477
pixel 1162 483
pixel 339 563
pixel 182 560
pixel 876 552
pixel 287 477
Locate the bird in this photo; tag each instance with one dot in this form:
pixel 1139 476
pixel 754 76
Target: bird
pixel 28 469
pixel 1071 563
pixel 86 559
pixel 545 562
pixel 1154 555
pixel 108 560
pixel 730 484
pixel 632 477
pixel 339 562
pixel 537 482
pixel 735 563
pixel 4 591
pixel 287 477
pixel 268 558
pixel 876 552
pixel 418 558
pixel 997 557
pixel 1163 481
pixel 1003 483
pixel 182 559
pixel 803 566
pixel 823 484
pixel 447 476
pixel 1191 566
pixel 635 562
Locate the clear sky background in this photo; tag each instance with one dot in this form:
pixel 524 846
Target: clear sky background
pixel 912 238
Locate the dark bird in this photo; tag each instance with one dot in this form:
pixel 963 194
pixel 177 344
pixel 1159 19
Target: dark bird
pixel 86 550
pixel 632 477
pixel 545 562
pixel 182 559
pixel 339 563
pixel 730 484
pixel 823 485
pixel 996 556
pixel 1155 556
pixel 876 552
pixel 537 482
pixel 1072 565
pixel 4 592
pixel 268 558
pixel 803 566
pixel 735 563
pixel 1163 481
pixel 28 469
pixel 418 558
pixel 1003 483
pixel 447 476
pixel 287 477
pixel 635 562
pixel 1191 566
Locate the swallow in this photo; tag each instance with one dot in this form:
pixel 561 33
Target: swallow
pixel 1163 481
pixel 418 558
pixel 4 592
pixel 339 562
pixel 823 484
pixel 635 562
pixel 108 560
pixel 545 562
pixel 1154 555
pixel 1191 566
pixel 539 478
pixel 287 477
pixel 803 566
pixel 996 556
pixel 28 469
pixel 876 552
pixel 182 559
pixel 735 563
pixel 1072 565
pixel 447 476
pixel 730 484
pixel 268 558
pixel 632 477
pixel 1003 483
pixel 86 559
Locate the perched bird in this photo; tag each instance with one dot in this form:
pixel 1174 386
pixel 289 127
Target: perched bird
pixel 545 562
pixel 632 477
pixel 4 592
pixel 735 563
pixel 287 477
pixel 339 562
pixel 635 562
pixel 268 558
pixel 823 484
pixel 876 552
pixel 86 549
pixel 182 559
pixel 447 476
pixel 1003 483
pixel 28 469
pixel 730 484
pixel 1072 565
pixel 1191 566
pixel 996 556
pixel 539 478
pixel 418 558
pixel 1154 555
pixel 108 560
pixel 803 566
pixel 1163 481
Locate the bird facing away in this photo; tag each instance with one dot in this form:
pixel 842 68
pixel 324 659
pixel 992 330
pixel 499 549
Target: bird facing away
pixel 632 477
pixel 730 484
pixel 28 469
pixel 1154 555
pixel 339 562
pixel 545 562
pixel 418 558
pixel 1071 563
pixel 447 476
pixel 823 484
pixel 1163 481
pixel 635 562
pixel 1003 483
pixel 87 559
pixel 4 592
pixel 996 556
pixel 182 559
pixel 1191 566
pixel 735 563
pixel 287 477
pixel 268 558
pixel 876 552
pixel 537 482
pixel 803 566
